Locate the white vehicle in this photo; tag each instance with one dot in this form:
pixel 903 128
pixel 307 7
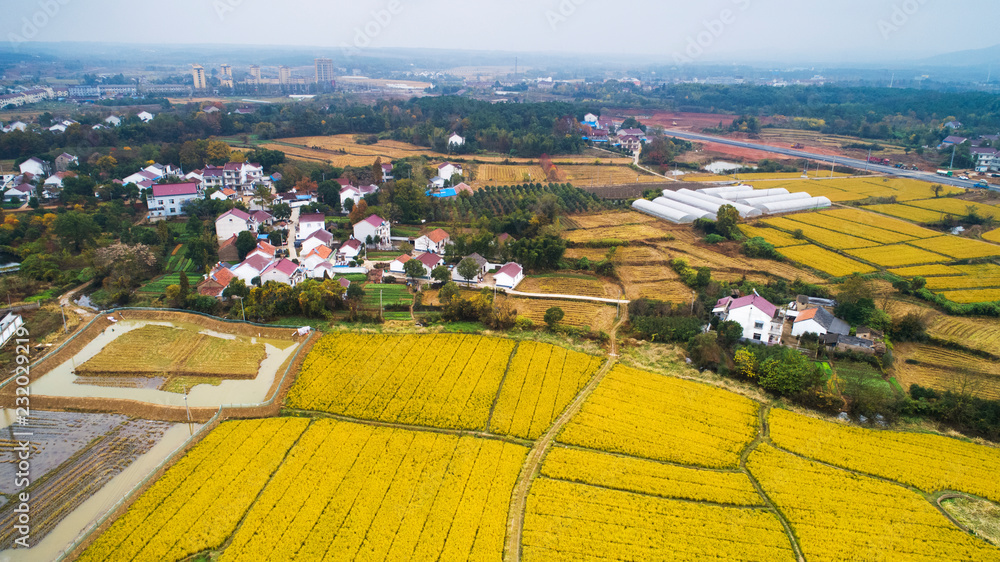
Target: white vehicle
pixel 963 177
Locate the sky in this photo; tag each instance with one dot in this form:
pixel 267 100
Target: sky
pixel 690 31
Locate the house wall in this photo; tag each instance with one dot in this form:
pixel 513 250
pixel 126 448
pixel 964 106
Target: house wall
pixel 226 227
pixel 748 317
pixel 306 229
pixel 808 327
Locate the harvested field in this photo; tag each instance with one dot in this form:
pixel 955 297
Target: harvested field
pixel 569 284
pixel 673 291
pixel 592 254
pixel 612 219
pixel 627 233
pixel 583 176
pixel 631 274
pixel 945 369
pixel 640 255
pixel 154 350
pixel 975 333
pixel 494 174
pixel 579 314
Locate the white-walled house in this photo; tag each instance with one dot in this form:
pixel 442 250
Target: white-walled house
pixel 35 167
pixel 233 221
pixel 509 276
pixel 20 192
pixel 396 265
pixel 435 242
pixel 315 257
pixel 309 224
pixel 819 321
pixel 456 140
pixel 447 170
pixel 349 250
pixel 145 116
pixel 168 200
pixel 761 320
pixel 374 227
pixel 355 194
pixel 430 261
pixel 317 239
pixel 483 267
pixel 250 268
pixel 283 271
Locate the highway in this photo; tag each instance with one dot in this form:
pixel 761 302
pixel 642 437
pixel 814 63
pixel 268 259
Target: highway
pixel 850 162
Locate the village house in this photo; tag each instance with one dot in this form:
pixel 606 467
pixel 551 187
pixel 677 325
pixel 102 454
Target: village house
pixel 168 200
pixel 309 224
pixel 315 257
pixel 387 173
pixel 145 116
pixel 349 251
pixel 375 229
pixel 263 249
pixel 355 194
pixel 445 172
pixel 317 239
pixel 113 120
pixel 20 192
pixel 216 282
pixel 396 265
pixel 435 242
pixel 64 161
pixel 35 167
pixel 251 268
pixel 483 268
pixel 456 140
pixel 761 321
pixel 429 261
pixel 630 143
pixel 55 181
pixel 509 276
pixel 282 271
pixel 228 251
pixel 818 321
pixel 242 176
pixel 233 222
pixel 841 342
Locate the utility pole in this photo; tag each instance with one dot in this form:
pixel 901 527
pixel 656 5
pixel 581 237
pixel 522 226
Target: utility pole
pixel 954 148
pixel 868 161
pixel 65 327
pixel 244 310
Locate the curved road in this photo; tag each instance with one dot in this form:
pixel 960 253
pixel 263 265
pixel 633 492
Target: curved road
pixel 851 162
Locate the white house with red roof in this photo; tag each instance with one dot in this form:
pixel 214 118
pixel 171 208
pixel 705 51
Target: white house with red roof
pixel 264 250
pixel 396 265
pixel 310 224
pixel 216 282
pixel 283 271
pixel 435 242
pixel 168 200
pixel 250 268
pixel 445 172
pixel 387 173
pixel 375 228
pixel 761 321
pixel 355 193
pixel 509 276
pixel 315 257
pixel 20 192
pixel 348 251
pixel 242 176
pixel 233 222
pixel 429 261
pixel 315 240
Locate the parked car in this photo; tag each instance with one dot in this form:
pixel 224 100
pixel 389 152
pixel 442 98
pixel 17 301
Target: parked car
pixel 963 177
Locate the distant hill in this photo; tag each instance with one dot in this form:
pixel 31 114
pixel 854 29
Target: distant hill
pixel 973 57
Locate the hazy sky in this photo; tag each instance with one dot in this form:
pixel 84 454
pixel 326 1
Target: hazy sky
pixel 711 30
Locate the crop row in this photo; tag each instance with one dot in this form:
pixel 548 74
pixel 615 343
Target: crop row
pixel 842 226
pixel 958 248
pixel 897 255
pixel 824 260
pixel 876 220
pixel 645 415
pixel 773 236
pixel 834 512
pixel 823 236
pixel 541 381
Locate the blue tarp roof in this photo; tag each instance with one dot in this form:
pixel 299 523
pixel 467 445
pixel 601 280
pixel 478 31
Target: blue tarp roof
pixel 447 192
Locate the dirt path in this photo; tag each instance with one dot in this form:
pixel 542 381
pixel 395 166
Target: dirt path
pixel 67 301
pixel 532 465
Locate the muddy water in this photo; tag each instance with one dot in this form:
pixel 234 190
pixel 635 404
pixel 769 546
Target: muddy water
pixel 62 381
pixel 83 517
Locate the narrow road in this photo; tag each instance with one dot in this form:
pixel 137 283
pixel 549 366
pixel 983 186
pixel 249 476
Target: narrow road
pixel 67 301
pixel 533 464
pixel 294 220
pixel 851 162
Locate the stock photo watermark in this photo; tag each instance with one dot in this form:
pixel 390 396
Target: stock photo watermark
pixel 901 14
pixel 563 12
pixel 364 35
pixel 22 441
pixel 32 25
pixel 225 7
pixel 699 43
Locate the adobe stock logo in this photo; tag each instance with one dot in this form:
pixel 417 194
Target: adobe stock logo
pixel 562 13
pixel 363 36
pixel 32 25
pixel 698 44
pixel 901 14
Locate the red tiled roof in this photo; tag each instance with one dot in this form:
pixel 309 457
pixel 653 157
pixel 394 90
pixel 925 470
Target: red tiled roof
pixel 374 220
pixel 266 248
pixel 241 215
pixel 511 270
pixel 257 262
pixel 806 315
pixel 429 260
pixel 261 216
pixel 229 242
pixel 223 276
pixel 285 266
pixel 166 190
pixel 314 217
pixel 755 300
pixel 354 244
pixel 403 258
pixel 438 235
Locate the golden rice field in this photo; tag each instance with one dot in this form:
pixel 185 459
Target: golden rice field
pixel 671 290
pixel 992 236
pixel 606 175
pixel 958 248
pixel 540 382
pixel 829 238
pixel 926 271
pixel 773 236
pixel 650 416
pixel 757 176
pixel 167 350
pixel 954 206
pixel 334 159
pixel 866 218
pixel 628 233
pixel 825 260
pixel 578 314
pixel 494 174
pixel 438 380
pixel 647 469
pixel 968 277
pixel 897 255
pixel 867 232
pixel 970 296
pixel 569 284
pixel 945 369
pixel 617 218
pixel 841 190
pixel 906 212
pixel 974 333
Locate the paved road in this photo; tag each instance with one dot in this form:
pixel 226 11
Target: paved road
pixel 852 162
pixel 294 225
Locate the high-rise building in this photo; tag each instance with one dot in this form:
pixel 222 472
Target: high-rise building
pixel 198 73
pixel 324 71
pixel 227 76
pixel 284 75
pixel 255 74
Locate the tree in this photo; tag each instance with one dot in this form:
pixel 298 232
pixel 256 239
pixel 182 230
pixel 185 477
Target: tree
pixel 185 286
pixel 245 243
pixel 174 296
pixel 217 153
pixel 236 288
pixel 193 226
pixel 281 211
pixel 746 363
pixel 355 293
pixel 468 269
pixel 554 316
pixel 414 269
pixel 358 212
pixel 33 202
pixel 448 292
pixel 937 189
pixel 730 333
pixel 705 351
pixel 727 222
pixel 911 327
pixel 440 274
pixel 262 195
pixel 787 373
pixel 75 229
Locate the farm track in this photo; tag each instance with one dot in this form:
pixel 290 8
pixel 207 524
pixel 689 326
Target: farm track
pixel 532 465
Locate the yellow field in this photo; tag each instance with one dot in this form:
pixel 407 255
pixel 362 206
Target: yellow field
pixel 973 295
pixel 773 236
pixel 439 381
pixel 541 381
pixel 197 504
pixel 857 189
pixel 571 522
pixel 992 236
pixel 954 206
pixel 494 174
pixel 945 369
pixel 350 492
pixel 897 255
pixel 969 277
pixel 928 462
pixel 926 271
pixel 673 291
pixel 607 175
pixel 958 248
pixel 975 333
pixel 757 176
pixel 628 233
pixel 617 218
pixel 825 260
pixel 879 221
pixel 568 285
pixel 649 477
pixel 640 414
pixel 579 314
pixel 873 233
pixel 592 254
pixel 834 513
pixel 823 236
pixel 166 350
pixel 908 213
